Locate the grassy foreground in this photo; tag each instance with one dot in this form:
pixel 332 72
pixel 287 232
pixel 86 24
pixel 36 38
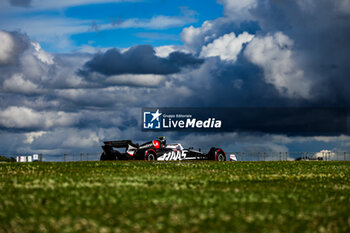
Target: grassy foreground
pixel 175 197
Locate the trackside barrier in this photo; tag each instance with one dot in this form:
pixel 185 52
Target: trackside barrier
pixel 242 156
pixel 324 155
pixel 292 156
pixel 81 156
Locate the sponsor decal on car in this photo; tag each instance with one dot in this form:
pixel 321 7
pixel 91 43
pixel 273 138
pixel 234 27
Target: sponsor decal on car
pixel 173 155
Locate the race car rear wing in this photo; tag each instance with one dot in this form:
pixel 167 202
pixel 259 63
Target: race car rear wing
pixel 120 144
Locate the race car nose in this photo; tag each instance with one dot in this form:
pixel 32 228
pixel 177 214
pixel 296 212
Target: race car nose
pixel 233 157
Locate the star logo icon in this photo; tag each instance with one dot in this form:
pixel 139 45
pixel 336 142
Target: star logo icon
pixel 152 119
pixel 156 115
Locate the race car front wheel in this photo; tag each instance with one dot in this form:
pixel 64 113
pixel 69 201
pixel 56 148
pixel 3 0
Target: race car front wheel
pixel 220 156
pixel 150 155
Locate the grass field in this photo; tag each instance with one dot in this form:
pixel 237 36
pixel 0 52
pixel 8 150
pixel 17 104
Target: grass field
pixel 175 197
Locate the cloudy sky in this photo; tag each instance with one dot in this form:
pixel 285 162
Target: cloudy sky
pixel 74 73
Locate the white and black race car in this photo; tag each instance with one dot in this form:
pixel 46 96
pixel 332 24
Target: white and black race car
pixel 157 150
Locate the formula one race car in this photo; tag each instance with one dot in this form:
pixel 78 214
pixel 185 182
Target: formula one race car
pixel 157 150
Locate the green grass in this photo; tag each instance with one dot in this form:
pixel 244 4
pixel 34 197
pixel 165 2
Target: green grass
pixel 175 197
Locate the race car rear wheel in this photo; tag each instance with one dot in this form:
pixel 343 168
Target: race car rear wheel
pixel 150 155
pixel 220 156
pixel 108 156
pixel 103 156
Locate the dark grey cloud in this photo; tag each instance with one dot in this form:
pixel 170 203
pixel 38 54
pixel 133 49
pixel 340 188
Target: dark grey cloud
pixel 20 3
pixel 226 85
pixel 320 31
pixel 139 60
pixel 300 48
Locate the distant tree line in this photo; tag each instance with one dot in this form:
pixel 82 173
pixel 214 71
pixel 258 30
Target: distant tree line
pixel 4 159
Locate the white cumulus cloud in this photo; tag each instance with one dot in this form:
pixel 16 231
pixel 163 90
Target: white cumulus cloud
pixel 194 37
pixel 227 47
pixel 237 9
pixel 12 44
pixel 30 137
pixel 142 80
pixel 42 55
pixel 23 117
pixel 6 46
pixel 274 54
pixel 164 51
pixel 18 84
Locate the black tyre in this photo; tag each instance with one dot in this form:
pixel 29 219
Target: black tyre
pixel 109 156
pixel 220 156
pixel 150 155
pixel 103 156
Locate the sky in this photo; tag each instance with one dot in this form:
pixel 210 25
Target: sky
pixel 75 73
